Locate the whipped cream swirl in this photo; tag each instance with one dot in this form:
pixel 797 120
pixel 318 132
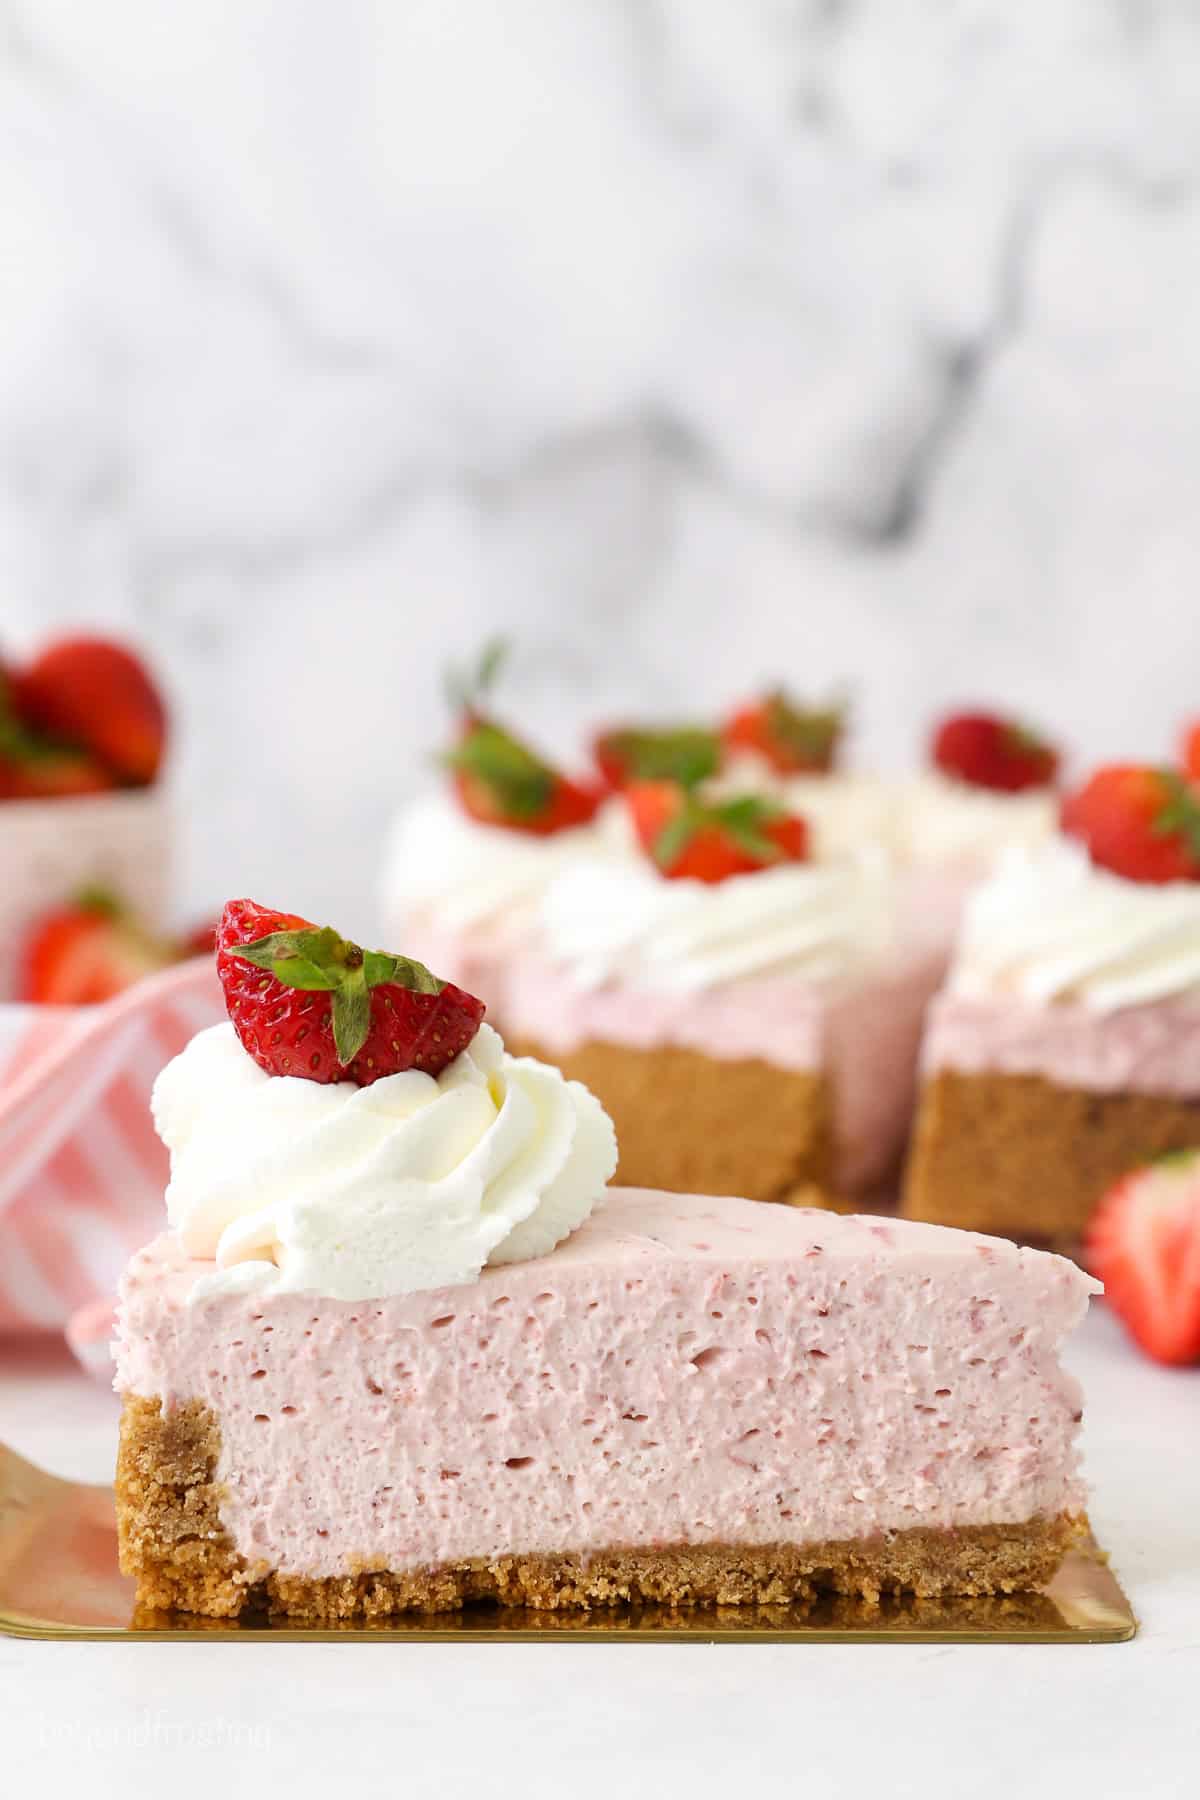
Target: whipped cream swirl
pixel 1050 926
pixel 355 1193
pixel 947 821
pixel 612 923
pixel 440 860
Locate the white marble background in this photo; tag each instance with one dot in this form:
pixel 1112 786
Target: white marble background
pixel 692 341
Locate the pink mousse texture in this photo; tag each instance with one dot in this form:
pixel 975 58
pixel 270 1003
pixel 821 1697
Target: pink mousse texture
pixel 864 1034
pixel 681 1370
pixel 1151 1049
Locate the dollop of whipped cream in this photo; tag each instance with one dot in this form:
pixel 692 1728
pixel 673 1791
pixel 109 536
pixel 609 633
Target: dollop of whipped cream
pixel 439 858
pixel 354 1193
pixel 1048 925
pixel 615 923
pixel 948 821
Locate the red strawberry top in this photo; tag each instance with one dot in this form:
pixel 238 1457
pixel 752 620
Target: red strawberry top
pixel 499 780
pixel 307 1002
pixel 685 753
pixel 689 840
pixel 1138 821
pixel 988 751
pixel 793 739
pixel 1143 1242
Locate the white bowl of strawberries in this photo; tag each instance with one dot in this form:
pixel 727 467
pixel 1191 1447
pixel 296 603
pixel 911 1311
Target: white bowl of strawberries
pixel 85 838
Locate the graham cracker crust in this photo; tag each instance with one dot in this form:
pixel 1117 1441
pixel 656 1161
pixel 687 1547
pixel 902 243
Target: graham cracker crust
pixel 172 1541
pixel 1020 1156
pixel 695 1124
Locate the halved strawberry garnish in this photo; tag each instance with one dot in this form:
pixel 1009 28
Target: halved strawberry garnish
pixel 1144 1244
pixel 794 739
pixel 988 751
pixel 96 694
pixel 691 841
pixel 86 952
pixel 500 780
pixel 1190 751
pixel 684 753
pixel 1140 822
pixel 305 1001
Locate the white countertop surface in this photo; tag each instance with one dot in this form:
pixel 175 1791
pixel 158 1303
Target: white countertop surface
pixel 579 1719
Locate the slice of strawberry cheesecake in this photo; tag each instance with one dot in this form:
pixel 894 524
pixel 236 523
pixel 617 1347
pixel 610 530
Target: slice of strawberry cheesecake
pixel 401 1349
pixel 749 1015
pixel 1065 1048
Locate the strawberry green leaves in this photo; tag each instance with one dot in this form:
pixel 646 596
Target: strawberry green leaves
pixel 742 820
pixel 521 783
pixel 1180 812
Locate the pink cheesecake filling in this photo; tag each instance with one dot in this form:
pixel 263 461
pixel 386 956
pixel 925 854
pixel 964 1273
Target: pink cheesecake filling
pixel 680 1371
pixel 1149 1049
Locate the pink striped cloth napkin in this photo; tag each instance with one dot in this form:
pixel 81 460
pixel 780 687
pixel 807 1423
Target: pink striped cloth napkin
pixel 82 1171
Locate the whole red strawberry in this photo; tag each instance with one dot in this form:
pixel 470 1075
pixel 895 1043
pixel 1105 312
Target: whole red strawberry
pixel 34 768
pixel 1143 1242
pixel 1190 751
pixel 499 780
pixel 1138 821
pixel 794 740
pixel 30 771
pixel 988 751
pixel 97 695
pixel 684 753
pixel 307 1002
pixel 691 841
pixel 87 951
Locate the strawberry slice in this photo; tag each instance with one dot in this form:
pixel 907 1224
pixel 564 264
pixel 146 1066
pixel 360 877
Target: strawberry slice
pixel 692 841
pixel 685 753
pixel 1144 1244
pixel 307 1002
pixel 794 740
pixel 1140 822
pixel 95 694
pixel 499 780
pixel 987 751
pixel 86 952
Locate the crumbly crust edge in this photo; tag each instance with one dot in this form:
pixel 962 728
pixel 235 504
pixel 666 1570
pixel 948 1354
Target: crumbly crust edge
pixel 172 1541
pixel 1022 1156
